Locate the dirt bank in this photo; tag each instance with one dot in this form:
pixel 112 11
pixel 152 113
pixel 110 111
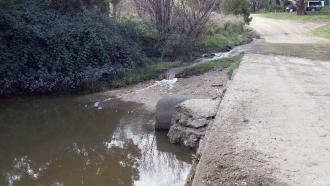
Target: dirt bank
pixel 209 84
pixel 272 127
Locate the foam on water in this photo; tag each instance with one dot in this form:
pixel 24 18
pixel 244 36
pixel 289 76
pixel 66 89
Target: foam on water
pixel 164 83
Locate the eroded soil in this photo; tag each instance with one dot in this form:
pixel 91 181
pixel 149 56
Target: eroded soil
pixel 209 84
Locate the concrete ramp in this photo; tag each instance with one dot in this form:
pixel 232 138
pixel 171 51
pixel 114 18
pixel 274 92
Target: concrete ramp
pixel 273 126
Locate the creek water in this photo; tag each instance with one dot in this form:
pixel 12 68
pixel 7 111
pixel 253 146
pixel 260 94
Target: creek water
pixel 95 140
pixel 85 140
pixel 308 51
pixel 88 140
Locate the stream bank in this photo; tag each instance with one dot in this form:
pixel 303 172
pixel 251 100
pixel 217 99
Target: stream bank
pixel 97 138
pixel 205 77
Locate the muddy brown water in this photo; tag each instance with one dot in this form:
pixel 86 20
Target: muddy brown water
pixel 85 140
pixel 95 140
pixel 308 51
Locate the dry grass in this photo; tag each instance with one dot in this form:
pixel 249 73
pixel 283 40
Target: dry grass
pixel 222 21
pixel 223 31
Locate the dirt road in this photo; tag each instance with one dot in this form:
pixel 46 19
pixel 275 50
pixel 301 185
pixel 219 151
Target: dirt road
pixel 273 125
pixel 284 31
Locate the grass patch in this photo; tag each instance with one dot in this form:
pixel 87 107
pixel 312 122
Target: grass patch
pixel 230 64
pixel 216 39
pixel 295 17
pixel 323 31
pixel 234 65
pixel 149 71
pixel 324 10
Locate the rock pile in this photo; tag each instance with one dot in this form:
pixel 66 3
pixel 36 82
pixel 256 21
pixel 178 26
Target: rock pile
pixel 190 121
pixel 166 108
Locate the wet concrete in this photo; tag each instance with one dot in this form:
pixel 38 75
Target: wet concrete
pixel 307 51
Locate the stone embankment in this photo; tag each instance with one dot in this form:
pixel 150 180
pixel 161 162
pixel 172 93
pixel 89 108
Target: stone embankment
pixel 190 121
pixel 186 118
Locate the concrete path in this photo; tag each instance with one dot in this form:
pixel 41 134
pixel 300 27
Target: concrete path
pixel 273 125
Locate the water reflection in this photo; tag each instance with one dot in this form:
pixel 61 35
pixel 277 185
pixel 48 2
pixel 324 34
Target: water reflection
pixel 89 140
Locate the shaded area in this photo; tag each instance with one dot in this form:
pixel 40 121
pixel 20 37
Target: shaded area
pixel 88 140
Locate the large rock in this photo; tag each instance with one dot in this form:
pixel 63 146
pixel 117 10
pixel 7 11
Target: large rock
pixel 190 121
pixel 166 107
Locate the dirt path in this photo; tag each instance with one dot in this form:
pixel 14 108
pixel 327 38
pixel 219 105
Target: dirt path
pixel 273 126
pixel 283 31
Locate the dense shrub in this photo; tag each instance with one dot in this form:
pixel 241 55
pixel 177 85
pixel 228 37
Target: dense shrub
pixel 147 33
pixel 43 50
pixel 237 7
pixel 222 33
pixel 68 5
pixel 6 3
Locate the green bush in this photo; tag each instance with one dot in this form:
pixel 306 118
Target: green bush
pixel 43 50
pixel 325 10
pixel 230 64
pixel 237 7
pixel 217 39
pixel 178 46
pixel 6 3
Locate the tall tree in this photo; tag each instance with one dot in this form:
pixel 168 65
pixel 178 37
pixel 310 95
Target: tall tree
pixel 161 13
pixel 300 7
pixel 237 7
pixel 270 4
pixel 282 4
pixel 254 5
pixel 196 14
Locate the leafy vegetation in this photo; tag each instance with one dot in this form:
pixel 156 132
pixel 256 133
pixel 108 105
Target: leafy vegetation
pixel 237 7
pixel 324 10
pixel 295 17
pixel 6 3
pixel 44 50
pixel 222 32
pixel 323 31
pixel 178 23
pixel 230 64
pixel 67 46
pixel 234 65
pixel 216 39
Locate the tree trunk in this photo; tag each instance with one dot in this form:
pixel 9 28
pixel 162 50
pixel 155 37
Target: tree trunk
pixel 270 2
pixel 300 7
pixel 282 5
pixel 254 6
